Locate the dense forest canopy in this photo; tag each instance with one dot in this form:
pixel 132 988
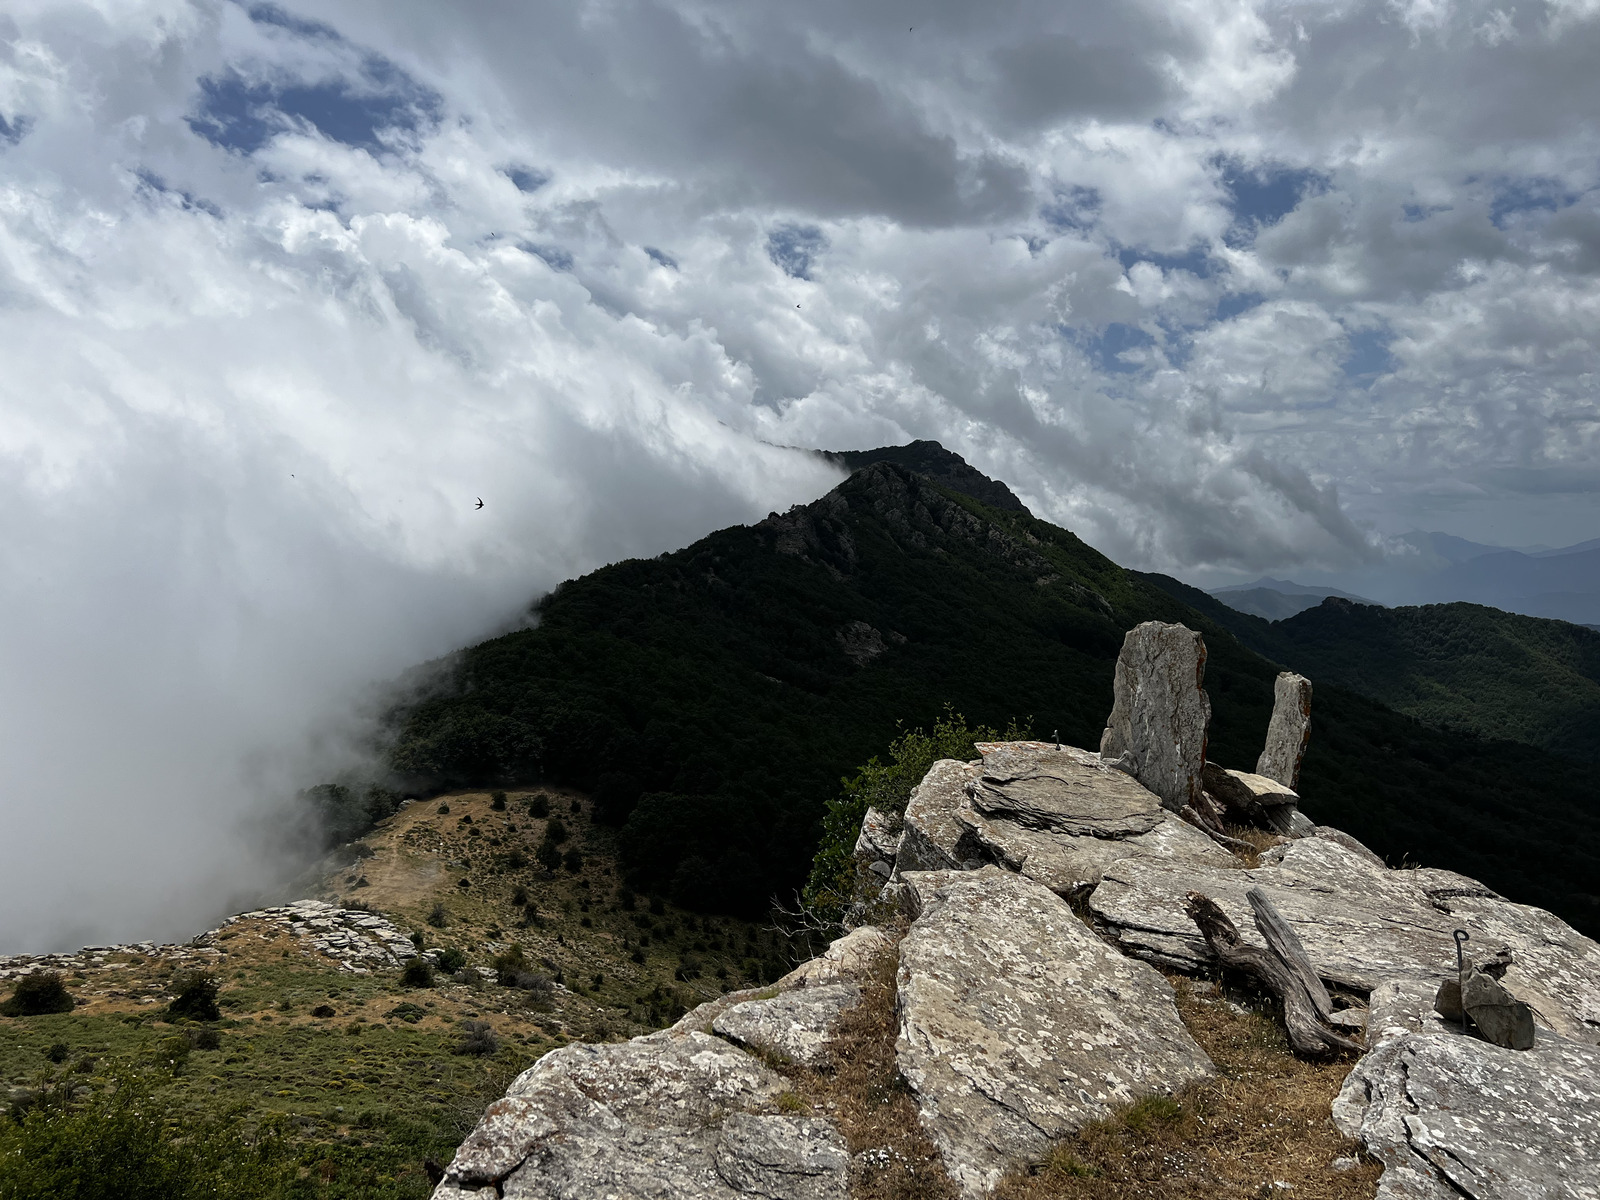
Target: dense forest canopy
pixel 712 699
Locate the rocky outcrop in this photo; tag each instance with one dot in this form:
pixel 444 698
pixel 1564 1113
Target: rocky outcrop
pixel 1361 924
pixel 791 1025
pixel 658 1116
pixel 1160 713
pixel 1018 1022
pixel 1056 814
pixel 1452 1117
pixel 1289 731
pixel 1018 1025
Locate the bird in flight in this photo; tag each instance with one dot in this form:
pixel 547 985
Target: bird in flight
pixel 480 502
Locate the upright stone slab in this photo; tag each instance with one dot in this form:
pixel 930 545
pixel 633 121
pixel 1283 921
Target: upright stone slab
pixel 1289 730
pixel 1018 1025
pixel 1160 712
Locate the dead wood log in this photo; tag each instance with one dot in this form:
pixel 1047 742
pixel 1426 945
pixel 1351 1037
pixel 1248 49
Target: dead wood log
pixel 1285 943
pixel 1194 818
pixel 1307 1034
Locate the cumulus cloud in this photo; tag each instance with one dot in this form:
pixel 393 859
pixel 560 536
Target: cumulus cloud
pixel 1225 286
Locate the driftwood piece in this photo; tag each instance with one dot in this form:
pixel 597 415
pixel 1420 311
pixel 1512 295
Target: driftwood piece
pixel 1307 1033
pixel 1285 943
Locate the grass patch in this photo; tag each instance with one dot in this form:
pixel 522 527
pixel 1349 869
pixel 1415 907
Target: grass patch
pixel 1262 1121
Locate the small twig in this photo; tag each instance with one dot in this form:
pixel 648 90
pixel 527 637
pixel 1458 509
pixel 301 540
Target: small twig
pixel 1188 813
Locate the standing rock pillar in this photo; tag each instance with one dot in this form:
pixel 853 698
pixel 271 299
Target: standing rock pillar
pixel 1288 732
pixel 1160 712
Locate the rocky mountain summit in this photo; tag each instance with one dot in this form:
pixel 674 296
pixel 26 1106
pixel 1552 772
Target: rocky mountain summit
pixel 1041 906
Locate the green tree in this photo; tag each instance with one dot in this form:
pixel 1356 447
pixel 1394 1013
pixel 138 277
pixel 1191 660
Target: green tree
pixel 36 994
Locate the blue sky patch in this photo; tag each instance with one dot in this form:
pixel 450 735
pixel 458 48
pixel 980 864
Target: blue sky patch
pixel 1234 303
pixel 662 257
pixel 554 257
pixel 793 248
pixel 1369 356
pixel 150 181
pixel 1106 349
pixel 242 115
pixel 1073 208
pixel 1265 193
pixel 1513 196
pixel 14 130
pixel 526 179
pixel 1197 261
pixel 271 14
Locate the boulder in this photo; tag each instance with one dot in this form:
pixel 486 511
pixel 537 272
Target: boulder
pixel 793 1025
pixel 1361 924
pixel 656 1117
pixel 1160 713
pixel 1062 816
pixel 1452 1116
pixel 932 837
pixel 1288 732
pixel 1018 1024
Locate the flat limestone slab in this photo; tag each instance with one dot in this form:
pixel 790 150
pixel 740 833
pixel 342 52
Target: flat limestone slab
pixel 1451 1116
pixel 658 1117
pixel 1059 816
pixel 1018 1024
pixel 795 1024
pixel 1362 924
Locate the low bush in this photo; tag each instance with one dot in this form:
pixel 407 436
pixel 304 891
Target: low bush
pixel 548 855
pixel 497 801
pixel 59 1052
pixel 444 810
pixel 438 917
pixel 573 861
pixel 417 974
pixel 195 996
pixel 539 806
pixel 37 994
pixel 451 961
pixel 477 1038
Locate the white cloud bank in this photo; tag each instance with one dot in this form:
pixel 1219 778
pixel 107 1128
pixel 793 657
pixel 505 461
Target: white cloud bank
pixel 1219 285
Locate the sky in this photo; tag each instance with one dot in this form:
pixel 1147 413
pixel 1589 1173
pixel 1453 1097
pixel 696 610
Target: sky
pixel 1227 288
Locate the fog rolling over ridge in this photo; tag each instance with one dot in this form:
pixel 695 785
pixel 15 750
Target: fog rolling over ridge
pixel 1227 288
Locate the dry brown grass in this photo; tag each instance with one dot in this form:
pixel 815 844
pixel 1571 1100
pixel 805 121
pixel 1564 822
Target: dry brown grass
pixel 861 1091
pixel 1264 1120
pixel 1259 840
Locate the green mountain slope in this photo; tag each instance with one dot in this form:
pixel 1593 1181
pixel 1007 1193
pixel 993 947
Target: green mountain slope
pixel 1461 666
pixel 712 698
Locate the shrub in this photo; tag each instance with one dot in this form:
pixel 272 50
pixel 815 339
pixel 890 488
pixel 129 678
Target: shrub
pixel 126 1145
pixel 195 996
pixel 497 801
pixel 539 806
pixel 444 810
pixel 509 963
pixel 418 974
pixel 625 899
pixel 407 1012
pixel 658 906
pixel 59 1052
pixel 477 1038
pixel 577 808
pixel 539 988
pixel 205 1039
pixel 451 961
pixel 519 896
pixel 323 1011
pixel 36 994
pixel 438 917
pixel 556 830
pixel 516 860
pixel 573 861
pixel 885 786
pixel 549 854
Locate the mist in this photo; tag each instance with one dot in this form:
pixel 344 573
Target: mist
pixel 1227 288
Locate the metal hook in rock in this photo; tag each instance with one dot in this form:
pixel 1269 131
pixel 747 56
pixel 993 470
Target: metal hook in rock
pixel 1462 937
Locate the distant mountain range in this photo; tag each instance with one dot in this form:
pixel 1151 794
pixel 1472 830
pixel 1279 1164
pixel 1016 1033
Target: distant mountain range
pixel 1438 568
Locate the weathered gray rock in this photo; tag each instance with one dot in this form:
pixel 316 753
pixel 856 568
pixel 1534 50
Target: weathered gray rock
pixel 1055 814
pixel 1452 1116
pixel 795 1025
pixel 1253 799
pixel 1362 925
pixel 1289 731
pixel 657 1117
pixel 880 835
pixel 932 837
pixel 1018 1024
pixel 846 959
pixel 1160 713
